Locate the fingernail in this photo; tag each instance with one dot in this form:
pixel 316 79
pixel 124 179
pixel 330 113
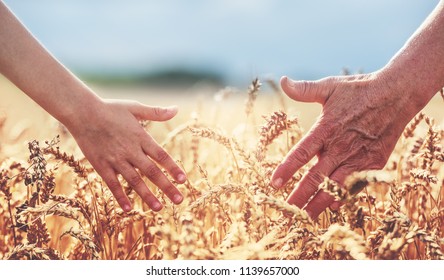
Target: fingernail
pixel 126 207
pixel 156 206
pixel 290 82
pixel 181 178
pixel 177 198
pixel 277 183
pixel 284 79
pixel 335 206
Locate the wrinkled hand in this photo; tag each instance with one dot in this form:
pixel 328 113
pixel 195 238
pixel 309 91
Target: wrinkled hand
pixel 361 121
pixel 114 142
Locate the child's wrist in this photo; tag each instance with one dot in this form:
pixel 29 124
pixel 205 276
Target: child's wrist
pixel 81 111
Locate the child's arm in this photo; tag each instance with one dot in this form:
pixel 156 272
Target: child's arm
pixel 108 132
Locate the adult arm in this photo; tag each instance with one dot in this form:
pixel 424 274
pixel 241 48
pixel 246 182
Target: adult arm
pixel 363 115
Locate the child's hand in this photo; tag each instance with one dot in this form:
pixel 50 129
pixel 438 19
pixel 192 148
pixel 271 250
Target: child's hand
pixel 114 142
pixel 108 132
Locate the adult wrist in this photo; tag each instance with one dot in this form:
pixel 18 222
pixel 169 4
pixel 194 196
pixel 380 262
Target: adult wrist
pixel 411 90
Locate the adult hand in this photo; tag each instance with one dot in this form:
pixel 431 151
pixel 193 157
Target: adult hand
pixel 114 142
pixel 361 121
pixel 363 115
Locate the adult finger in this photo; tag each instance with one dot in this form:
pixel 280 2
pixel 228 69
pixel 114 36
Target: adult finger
pixel 153 113
pixel 135 181
pixel 159 155
pixel 335 205
pixel 319 203
pixel 309 184
pixel 156 176
pixel 110 178
pixel 301 154
pixel 306 91
pixel 322 199
pixel 340 174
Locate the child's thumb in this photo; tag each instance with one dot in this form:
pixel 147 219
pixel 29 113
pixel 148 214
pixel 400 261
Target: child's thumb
pixel 153 113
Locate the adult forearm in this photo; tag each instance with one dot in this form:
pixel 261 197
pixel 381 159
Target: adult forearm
pixel 417 70
pixel 25 62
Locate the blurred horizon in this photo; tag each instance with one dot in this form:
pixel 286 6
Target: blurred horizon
pixel 225 42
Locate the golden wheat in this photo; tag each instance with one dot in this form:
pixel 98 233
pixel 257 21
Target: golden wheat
pixel 54 206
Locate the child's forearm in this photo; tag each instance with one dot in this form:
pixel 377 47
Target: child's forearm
pixel 25 62
pixel 108 133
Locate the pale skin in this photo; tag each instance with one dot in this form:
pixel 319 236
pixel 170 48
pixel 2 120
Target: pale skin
pixel 362 116
pixel 107 131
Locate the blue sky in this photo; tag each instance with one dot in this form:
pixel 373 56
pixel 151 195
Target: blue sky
pixel 241 39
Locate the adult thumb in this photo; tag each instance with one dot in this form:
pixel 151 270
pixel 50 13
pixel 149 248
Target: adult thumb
pixel 305 91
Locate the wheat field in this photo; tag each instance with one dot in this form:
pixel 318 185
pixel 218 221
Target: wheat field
pixel 54 206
